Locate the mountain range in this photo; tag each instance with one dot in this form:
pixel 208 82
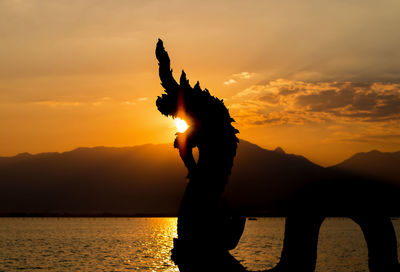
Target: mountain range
pixel 150 179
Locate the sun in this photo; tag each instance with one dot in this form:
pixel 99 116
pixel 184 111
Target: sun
pixel 181 125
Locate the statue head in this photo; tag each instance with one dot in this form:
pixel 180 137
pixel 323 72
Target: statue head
pixel 203 112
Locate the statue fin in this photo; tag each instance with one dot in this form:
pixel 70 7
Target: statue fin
pixel 165 71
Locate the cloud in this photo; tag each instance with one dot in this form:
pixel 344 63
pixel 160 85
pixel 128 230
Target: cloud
pixel 236 77
pixel 374 138
pixel 100 101
pixel 243 75
pixel 230 81
pixel 134 102
pixel 55 103
pixel 71 103
pixel 96 102
pixel 128 103
pixel 297 102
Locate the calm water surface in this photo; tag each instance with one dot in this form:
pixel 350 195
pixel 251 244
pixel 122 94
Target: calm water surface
pixel 144 244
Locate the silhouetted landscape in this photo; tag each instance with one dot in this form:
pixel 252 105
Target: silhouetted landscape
pixel 132 181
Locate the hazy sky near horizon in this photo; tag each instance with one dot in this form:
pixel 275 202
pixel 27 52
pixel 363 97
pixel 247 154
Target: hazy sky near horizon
pixel 318 78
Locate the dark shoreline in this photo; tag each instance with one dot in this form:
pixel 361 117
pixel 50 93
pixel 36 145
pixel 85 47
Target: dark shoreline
pixel 154 215
pixel 122 215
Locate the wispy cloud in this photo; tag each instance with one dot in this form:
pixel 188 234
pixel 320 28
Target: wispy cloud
pixel 243 75
pixel 56 103
pixel 374 138
pixel 230 81
pixel 134 102
pixel 128 103
pixel 96 102
pixel 239 76
pixel 296 102
pixel 72 103
pixel 101 101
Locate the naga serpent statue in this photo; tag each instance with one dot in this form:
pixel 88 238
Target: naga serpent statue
pixel 207 229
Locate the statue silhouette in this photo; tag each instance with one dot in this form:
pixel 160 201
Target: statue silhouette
pixel 345 195
pixel 207 229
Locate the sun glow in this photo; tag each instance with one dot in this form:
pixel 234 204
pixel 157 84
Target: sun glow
pixel 181 125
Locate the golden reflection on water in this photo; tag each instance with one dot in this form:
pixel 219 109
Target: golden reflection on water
pixel 154 253
pixel 144 244
pixel 87 244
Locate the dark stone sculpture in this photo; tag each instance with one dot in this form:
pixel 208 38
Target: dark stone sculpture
pixel 207 230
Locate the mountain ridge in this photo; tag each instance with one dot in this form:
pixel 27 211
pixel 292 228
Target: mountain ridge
pixel 145 179
pixel 374 163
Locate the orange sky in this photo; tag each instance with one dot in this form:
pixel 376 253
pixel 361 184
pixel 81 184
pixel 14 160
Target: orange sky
pixel 318 78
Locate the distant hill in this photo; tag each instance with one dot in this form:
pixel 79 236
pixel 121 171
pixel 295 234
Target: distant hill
pixel 380 165
pixel 141 179
pixel 147 179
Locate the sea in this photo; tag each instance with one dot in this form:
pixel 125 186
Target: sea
pixel 144 244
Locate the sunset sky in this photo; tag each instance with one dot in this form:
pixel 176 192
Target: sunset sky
pixel 317 78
